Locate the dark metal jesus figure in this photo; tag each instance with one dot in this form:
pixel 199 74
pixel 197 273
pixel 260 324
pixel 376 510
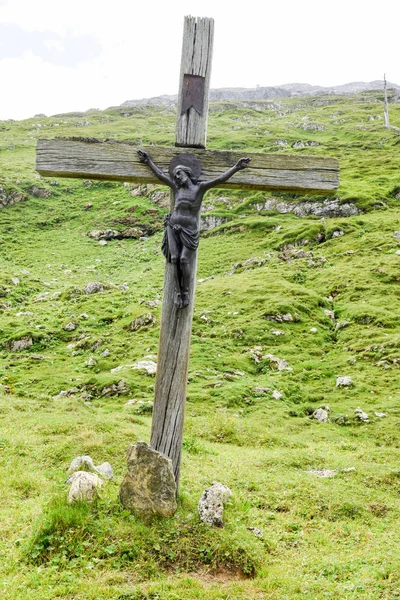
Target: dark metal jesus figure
pixel 181 236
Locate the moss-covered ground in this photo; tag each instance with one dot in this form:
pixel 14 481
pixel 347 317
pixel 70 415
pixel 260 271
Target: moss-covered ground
pixel 247 425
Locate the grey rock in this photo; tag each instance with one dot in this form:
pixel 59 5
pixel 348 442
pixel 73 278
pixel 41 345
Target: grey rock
pixel 149 486
pixel 330 314
pixel 211 221
pixel 105 353
pixel 255 531
pixel 116 389
pixel 396 235
pixel 105 470
pixel 81 463
pixel 338 233
pixel 360 415
pixel 91 362
pixel 328 208
pixel 71 326
pixel 21 344
pixel 152 303
pixel 103 242
pixel 260 390
pixel 380 415
pixel 94 287
pixel 104 234
pixel 84 487
pixel 341 325
pixel 323 472
pixel 142 321
pixel 344 381
pixel 277 395
pixel 321 414
pixel 279 364
pixel 146 365
pixel 211 504
pixel 278 318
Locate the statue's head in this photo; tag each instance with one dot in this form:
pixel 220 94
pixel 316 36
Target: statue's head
pixel 182 173
pixel 184 167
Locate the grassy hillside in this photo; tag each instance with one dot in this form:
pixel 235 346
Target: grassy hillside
pixel 320 293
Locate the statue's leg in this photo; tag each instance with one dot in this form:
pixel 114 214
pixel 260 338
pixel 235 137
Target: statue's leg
pixel 175 248
pixel 186 264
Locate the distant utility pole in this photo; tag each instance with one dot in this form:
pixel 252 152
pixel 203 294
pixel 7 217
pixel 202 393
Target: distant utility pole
pixel 387 125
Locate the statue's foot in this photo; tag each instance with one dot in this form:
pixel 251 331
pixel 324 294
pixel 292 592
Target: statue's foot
pixel 185 300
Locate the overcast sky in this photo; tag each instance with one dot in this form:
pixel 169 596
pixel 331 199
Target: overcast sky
pixel 68 55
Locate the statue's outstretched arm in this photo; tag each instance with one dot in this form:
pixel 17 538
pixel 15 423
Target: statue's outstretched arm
pixel 145 158
pixel 241 164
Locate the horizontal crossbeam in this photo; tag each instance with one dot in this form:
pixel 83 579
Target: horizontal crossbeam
pixel 89 158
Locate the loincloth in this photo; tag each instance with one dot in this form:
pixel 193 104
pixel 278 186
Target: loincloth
pixel 184 237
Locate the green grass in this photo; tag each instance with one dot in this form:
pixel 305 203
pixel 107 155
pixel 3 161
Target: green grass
pixel 322 538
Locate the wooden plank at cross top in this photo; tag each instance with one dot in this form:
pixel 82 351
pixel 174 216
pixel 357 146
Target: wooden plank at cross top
pixel 118 161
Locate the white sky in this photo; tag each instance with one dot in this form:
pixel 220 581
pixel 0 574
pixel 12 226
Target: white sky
pixel 69 55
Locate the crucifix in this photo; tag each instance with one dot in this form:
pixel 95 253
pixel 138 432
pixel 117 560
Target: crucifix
pixel 189 175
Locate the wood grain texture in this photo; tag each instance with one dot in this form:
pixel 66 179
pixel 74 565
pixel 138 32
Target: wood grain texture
pixel 115 161
pixel 197 46
pixel 172 370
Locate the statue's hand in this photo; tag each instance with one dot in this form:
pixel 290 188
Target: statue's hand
pixel 143 157
pixel 243 163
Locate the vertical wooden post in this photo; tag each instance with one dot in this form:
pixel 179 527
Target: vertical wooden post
pixel 176 323
pixel 194 82
pixel 387 124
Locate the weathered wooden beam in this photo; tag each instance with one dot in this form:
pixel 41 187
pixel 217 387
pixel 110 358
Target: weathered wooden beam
pixel 194 82
pixel 118 161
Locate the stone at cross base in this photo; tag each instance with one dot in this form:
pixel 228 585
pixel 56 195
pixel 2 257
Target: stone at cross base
pixel 149 487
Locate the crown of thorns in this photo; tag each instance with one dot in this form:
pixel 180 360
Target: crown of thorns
pixel 188 162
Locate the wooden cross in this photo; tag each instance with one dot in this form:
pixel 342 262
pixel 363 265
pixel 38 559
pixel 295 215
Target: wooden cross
pixel 115 161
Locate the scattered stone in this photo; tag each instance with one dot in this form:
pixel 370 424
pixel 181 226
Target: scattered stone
pixel 142 321
pixel 103 243
pixel 348 470
pixel 257 532
pixel 341 325
pixel 152 303
pixel 277 332
pixel 84 487
pixel 277 363
pixel 260 390
pixel 116 389
pixel 71 326
pixel 326 208
pixel 277 395
pixel 313 330
pixel 344 381
pixel 360 415
pixel 105 353
pixel 286 318
pixel 67 393
pixel 380 415
pixel 88 206
pixel 146 365
pixel 81 463
pixel 330 314
pixel 211 504
pixel 94 287
pixel 105 470
pixel 84 316
pixel 38 192
pixel 91 362
pixel 338 233
pixel 15 280
pixel 321 414
pixel 21 344
pixel 396 235
pixel 323 472
pixel 85 463
pixel 149 486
